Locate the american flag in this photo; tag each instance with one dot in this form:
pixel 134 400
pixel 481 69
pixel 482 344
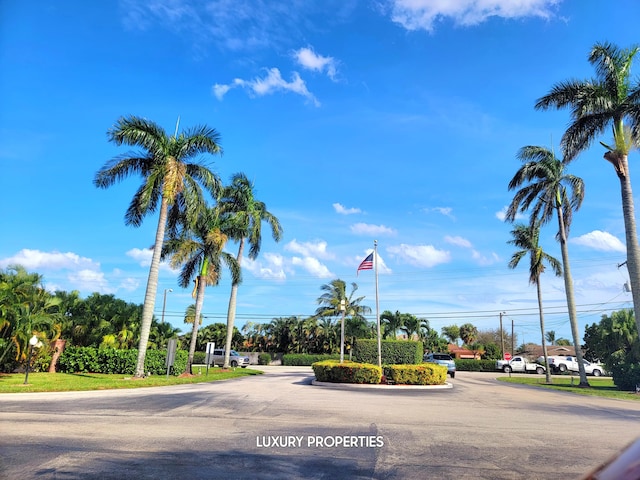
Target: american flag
pixel 367 263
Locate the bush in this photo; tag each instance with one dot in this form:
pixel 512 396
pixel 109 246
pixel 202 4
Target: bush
pixel 199 357
pixel 423 374
pixel 626 376
pixel 470 365
pixel 347 372
pixel 264 359
pixel 393 352
pixel 305 359
pixel 109 360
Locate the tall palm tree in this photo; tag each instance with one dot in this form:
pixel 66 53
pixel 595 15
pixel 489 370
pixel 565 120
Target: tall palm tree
pixel 249 213
pixel 551 337
pixel 199 250
pixel 526 238
pixel 607 101
pixel 391 323
pixel 548 191
pixel 170 179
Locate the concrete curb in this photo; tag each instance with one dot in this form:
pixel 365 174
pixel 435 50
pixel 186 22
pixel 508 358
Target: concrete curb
pixel 370 386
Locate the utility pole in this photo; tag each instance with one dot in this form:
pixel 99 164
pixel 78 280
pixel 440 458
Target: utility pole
pixel 513 348
pixel 501 336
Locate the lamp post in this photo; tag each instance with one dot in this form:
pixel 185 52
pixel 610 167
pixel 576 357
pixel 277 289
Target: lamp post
pixel 33 341
pixel 342 309
pixel 164 302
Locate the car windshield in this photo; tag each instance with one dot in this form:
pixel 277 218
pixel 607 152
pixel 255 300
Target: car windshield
pixel 442 357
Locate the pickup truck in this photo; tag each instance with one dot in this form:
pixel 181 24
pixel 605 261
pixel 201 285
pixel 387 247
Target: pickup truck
pixel 519 364
pixel 561 363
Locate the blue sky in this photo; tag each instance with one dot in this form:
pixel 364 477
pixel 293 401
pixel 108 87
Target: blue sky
pixel 390 120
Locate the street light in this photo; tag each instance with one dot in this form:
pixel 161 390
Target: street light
pixel 164 302
pixel 33 341
pixel 342 309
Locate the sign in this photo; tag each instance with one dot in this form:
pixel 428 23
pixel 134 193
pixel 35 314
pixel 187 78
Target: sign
pixel 507 356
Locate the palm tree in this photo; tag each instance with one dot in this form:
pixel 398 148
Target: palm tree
pixel 468 333
pixel 549 191
pixel 526 238
pixel 249 213
pixel 608 100
pixel 199 250
pixel 169 178
pixel 391 323
pixel 551 337
pixel 451 333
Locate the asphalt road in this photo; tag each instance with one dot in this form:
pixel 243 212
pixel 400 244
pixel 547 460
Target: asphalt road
pixel 279 426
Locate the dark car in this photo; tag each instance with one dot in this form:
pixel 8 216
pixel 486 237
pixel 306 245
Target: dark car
pixel 442 359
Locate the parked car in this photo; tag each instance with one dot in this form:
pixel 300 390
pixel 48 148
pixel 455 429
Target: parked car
pixel 562 363
pixel 442 359
pixel 235 359
pixel 519 364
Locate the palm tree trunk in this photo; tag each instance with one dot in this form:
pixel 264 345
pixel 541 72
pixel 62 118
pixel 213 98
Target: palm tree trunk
pixel 231 311
pixel 544 343
pixel 633 252
pixel 196 321
pixel 152 287
pixel 571 304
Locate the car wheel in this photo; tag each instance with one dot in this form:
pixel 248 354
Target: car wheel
pixel 244 366
pixel 597 373
pixel 506 369
pixel 453 374
pixel 539 370
pixel 562 367
pixel 234 364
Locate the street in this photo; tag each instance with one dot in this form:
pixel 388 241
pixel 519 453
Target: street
pixel 279 426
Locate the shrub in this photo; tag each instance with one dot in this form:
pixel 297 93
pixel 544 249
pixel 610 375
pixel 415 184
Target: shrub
pixel 393 352
pixel 199 357
pixel 264 359
pixel 470 365
pixel 305 359
pixel 347 372
pixel 626 376
pixel 109 360
pixel 423 374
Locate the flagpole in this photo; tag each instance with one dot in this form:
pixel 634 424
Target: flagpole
pixel 375 266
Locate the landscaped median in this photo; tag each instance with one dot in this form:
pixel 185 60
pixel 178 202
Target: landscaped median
pixel 425 374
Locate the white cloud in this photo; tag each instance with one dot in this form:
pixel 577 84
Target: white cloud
pixel 90 280
pixel 37 260
pixel 307 249
pixel 367 229
pixel 420 255
pixel 502 214
pixel 345 211
pixel 459 241
pixel 309 59
pixel 313 266
pixel 424 14
pixel 269 266
pixel 143 257
pixel 271 83
pixel 599 240
pixel 484 261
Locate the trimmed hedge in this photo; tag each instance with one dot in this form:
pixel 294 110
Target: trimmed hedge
pixel 347 372
pixel 470 365
pixel 423 374
pixel 393 352
pixel 110 360
pixel 264 359
pixel 305 359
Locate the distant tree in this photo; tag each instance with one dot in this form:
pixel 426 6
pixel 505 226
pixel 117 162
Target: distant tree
pixel 551 337
pixel 451 333
pixel 564 342
pixel 468 333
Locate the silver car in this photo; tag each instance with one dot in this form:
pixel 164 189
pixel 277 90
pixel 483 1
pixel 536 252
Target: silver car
pixel 442 359
pixel 235 359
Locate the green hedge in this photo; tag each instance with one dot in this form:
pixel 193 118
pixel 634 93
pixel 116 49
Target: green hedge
pixel 347 372
pixel 626 376
pixel 109 360
pixel 470 365
pixel 304 359
pixel 264 359
pixel 393 352
pixel 423 374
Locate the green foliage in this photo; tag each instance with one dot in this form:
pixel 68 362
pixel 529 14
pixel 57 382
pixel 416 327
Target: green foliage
pixel 304 359
pixel 264 359
pixel 470 365
pixel 110 361
pixel 393 352
pixel 199 357
pixel 626 376
pixel 347 372
pixel 423 374
pixel 491 351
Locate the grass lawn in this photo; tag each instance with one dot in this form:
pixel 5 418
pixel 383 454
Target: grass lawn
pixel 599 387
pixel 66 382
